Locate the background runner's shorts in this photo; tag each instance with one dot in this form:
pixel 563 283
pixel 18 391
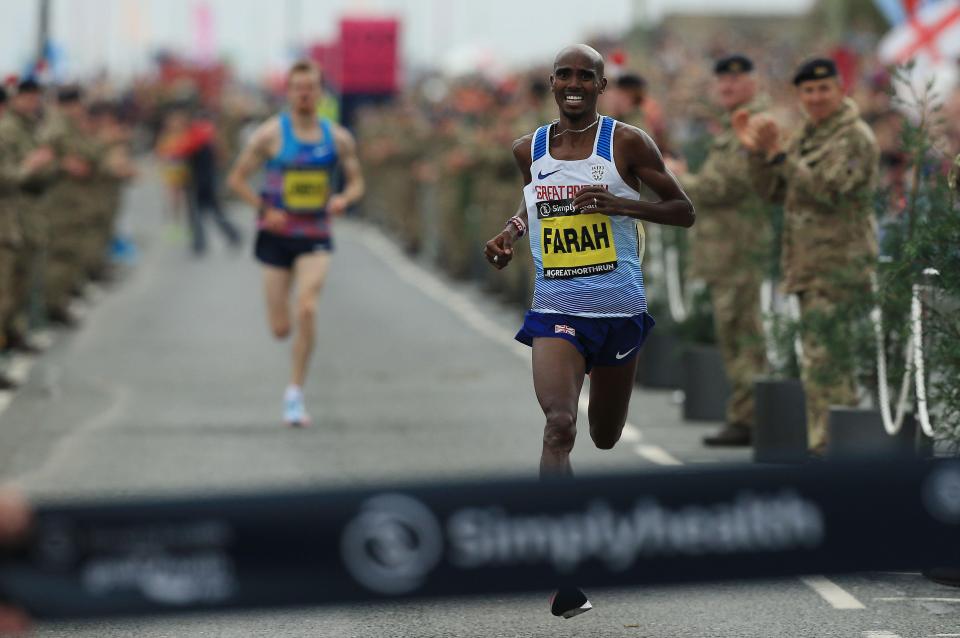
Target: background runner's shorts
pixel 280 251
pixel 603 341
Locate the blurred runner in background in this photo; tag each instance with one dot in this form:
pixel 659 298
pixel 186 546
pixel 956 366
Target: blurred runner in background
pixel 300 151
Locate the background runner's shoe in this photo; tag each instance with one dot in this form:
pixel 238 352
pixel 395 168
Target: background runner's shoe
pixel 569 602
pixel 294 412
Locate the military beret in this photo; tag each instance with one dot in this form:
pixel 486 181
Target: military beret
pixel 736 63
pixel 631 81
pixel 69 93
pixel 28 85
pixel 815 69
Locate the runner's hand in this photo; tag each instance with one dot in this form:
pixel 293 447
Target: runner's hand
pixel 597 199
pixel 337 205
pixel 14 524
pixel 499 250
pixel 274 219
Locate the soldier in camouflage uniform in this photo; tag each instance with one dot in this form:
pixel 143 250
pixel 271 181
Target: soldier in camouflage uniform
pixel 825 177
pixel 730 244
pixel 115 166
pixel 10 241
pixel 642 111
pixel 635 88
pixel 66 133
pixel 32 168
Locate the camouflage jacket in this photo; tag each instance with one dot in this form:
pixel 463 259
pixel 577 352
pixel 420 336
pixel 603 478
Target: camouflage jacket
pixel 67 194
pixel 731 239
pixel 66 138
pixel 826 183
pixel 9 186
pixel 19 135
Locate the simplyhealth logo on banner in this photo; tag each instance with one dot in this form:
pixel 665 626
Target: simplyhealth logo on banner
pixel 395 541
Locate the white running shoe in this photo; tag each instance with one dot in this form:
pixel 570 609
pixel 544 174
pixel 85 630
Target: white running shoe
pixel 294 411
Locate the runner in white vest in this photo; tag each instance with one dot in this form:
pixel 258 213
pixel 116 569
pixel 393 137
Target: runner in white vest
pixel 582 176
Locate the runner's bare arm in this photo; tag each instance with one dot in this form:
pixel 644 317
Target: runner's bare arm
pixel 354 185
pixel 499 250
pixel 639 160
pixel 253 156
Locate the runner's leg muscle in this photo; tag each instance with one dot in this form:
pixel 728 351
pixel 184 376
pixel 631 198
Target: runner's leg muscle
pixel 311 273
pixel 610 391
pixel 558 370
pixel 276 286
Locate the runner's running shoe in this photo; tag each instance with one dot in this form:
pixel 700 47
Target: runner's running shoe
pixel 569 602
pixel 294 411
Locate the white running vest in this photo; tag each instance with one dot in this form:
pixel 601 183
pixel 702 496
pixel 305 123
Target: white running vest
pixel 588 264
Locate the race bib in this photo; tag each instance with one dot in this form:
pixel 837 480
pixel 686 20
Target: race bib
pixel 305 190
pixel 574 244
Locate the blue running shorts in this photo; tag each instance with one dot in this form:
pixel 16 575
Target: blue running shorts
pixel 603 341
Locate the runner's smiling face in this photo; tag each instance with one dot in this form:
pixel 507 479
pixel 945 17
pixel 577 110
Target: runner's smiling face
pixel 576 85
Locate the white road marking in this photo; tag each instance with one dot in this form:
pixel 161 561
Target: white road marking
pixel 922 599
pixel 656 454
pixel 429 284
pixel 838 597
pixel 6 396
pixel 65 447
pixel 880 634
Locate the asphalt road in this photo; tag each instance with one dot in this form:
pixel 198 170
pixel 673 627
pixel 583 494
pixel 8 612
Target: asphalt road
pixel 173 385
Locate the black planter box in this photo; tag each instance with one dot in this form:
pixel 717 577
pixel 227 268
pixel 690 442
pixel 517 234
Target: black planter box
pixel 780 421
pixel 659 365
pixel 858 433
pixel 705 386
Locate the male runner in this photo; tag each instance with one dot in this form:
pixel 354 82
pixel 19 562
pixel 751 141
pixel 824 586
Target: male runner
pixel 582 176
pixel 300 152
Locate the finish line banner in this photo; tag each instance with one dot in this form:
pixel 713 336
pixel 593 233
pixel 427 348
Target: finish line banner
pixel 436 540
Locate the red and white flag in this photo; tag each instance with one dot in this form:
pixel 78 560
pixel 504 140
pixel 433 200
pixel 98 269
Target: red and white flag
pixel 930 35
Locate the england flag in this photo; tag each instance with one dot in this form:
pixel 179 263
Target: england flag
pixel 926 33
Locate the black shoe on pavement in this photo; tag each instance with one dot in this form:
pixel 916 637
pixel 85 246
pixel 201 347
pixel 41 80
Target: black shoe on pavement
pixel 734 435
pixel 24 344
pixel 568 602
pixel 66 317
pixel 7 382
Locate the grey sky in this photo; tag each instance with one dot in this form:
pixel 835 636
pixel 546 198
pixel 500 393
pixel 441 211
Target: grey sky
pixel 118 34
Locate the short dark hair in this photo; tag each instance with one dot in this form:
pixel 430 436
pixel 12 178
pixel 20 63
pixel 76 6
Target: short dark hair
pixel 69 94
pixel 303 66
pixel 28 85
pixel 631 81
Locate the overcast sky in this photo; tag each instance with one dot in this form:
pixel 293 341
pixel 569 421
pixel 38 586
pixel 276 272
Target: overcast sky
pixel 118 34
